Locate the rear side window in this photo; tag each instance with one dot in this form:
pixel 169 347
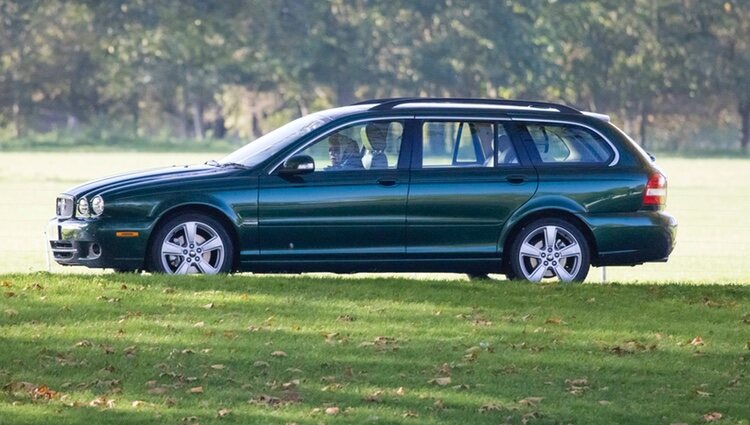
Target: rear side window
pixel 563 143
pixel 451 144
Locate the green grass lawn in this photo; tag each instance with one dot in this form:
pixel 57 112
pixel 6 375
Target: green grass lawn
pixel 258 349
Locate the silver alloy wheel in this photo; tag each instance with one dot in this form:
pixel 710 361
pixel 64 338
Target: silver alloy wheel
pixel 550 251
pixel 192 247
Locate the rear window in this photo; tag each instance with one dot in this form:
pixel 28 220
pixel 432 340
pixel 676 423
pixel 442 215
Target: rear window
pixel 564 143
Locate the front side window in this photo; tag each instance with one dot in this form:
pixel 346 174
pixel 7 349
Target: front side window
pixel 368 146
pixel 564 143
pixel 466 144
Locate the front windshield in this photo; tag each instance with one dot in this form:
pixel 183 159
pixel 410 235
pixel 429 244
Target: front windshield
pixel 262 148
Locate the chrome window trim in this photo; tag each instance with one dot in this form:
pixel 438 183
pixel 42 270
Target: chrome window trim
pixel 614 161
pixel 338 127
pixel 461 118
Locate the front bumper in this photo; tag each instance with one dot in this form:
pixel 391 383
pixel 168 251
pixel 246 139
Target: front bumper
pixel 93 243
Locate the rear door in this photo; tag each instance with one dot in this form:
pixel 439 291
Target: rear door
pixel 468 176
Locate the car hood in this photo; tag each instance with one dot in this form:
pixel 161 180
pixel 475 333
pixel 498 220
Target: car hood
pixel 141 178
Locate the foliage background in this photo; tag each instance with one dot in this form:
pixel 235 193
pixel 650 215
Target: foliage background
pixel 134 73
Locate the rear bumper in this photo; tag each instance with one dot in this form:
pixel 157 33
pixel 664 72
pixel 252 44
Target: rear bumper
pixel 632 238
pixel 92 243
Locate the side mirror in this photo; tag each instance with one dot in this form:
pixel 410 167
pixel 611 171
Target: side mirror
pixel 298 164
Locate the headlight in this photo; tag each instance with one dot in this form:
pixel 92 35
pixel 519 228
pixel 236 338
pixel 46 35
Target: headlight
pixel 97 205
pixel 83 207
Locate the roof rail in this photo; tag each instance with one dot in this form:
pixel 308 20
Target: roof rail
pixel 390 103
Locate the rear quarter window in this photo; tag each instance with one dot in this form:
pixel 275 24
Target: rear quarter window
pixel 568 143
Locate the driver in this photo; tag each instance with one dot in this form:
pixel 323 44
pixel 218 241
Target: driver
pixel 344 153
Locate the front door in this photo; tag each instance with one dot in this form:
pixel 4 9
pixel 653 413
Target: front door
pixel 353 206
pixel 467 179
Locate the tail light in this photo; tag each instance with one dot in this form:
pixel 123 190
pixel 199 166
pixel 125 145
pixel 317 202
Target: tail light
pixel 656 190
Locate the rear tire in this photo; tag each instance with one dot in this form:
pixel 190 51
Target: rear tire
pixel 191 244
pixel 550 248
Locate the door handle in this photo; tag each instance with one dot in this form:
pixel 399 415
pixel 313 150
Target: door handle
pixel 387 182
pixel 516 178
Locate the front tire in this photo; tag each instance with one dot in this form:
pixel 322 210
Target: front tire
pixel 192 244
pixel 550 248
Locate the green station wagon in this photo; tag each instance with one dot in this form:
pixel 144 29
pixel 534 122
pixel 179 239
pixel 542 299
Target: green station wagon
pixel 532 190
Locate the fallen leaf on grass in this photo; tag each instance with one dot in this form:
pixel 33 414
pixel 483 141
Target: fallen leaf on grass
pixel 374 397
pixel 103 402
pixel 217 366
pixel 490 407
pixel 410 414
pixel 223 412
pixel 605 402
pixel 703 393
pixel 576 386
pixel 291 384
pixel 554 321
pixel 400 391
pixel 265 400
pixel 530 401
pixel 443 381
pixel 208 306
pixel 83 343
pixel 130 351
pixel 195 390
pixel 332 411
pixel 199 324
pixel 697 341
pixel 712 417
pixel 44 393
pixel 138 403
pixel 278 354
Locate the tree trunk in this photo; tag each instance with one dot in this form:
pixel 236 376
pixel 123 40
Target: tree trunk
pixel 345 93
pixel 183 113
pixel 645 106
pixel 744 109
pixel 136 112
pixel 197 120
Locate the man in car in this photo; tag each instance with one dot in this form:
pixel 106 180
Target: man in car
pixel 344 153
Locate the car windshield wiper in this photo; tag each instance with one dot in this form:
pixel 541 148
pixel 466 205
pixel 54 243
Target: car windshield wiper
pixel 215 163
pixel 233 164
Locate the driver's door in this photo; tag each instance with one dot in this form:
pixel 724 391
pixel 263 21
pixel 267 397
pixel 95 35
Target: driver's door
pixel 353 206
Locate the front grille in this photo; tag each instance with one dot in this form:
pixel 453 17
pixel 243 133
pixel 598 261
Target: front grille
pixel 64 207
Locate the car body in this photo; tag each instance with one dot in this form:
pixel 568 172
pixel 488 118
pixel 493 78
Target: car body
pixel 392 185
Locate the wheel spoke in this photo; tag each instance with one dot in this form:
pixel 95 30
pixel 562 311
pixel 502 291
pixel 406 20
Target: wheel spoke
pixel 191 228
pixel 169 248
pixel 530 250
pixel 538 274
pixel 572 250
pixel 562 273
pixel 550 236
pixel 183 269
pixel 212 244
pixel 206 268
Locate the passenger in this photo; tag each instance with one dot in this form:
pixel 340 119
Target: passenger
pixel 344 153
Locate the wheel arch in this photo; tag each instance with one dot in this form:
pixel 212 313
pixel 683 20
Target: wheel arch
pixel 510 233
pixel 196 208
